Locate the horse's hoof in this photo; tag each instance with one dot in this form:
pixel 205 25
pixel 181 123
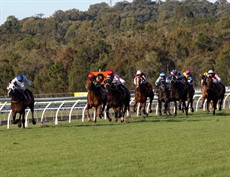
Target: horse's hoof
pixel 14 121
pixel 19 125
pixel 33 122
pixel 150 111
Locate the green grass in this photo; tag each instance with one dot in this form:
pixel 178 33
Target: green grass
pixel 196 146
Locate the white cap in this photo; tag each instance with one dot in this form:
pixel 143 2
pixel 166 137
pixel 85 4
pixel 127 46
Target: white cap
pixel 138 72
pixel 210 71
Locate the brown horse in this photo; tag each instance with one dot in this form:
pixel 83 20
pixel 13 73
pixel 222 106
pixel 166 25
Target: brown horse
pixel 204 92
pixel 118 99
pixel 18 105
pixel 215 93
pixel 142 92
pixel 163 96
pixel 96 99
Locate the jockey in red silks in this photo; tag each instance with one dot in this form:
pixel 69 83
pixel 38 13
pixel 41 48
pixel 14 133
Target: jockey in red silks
pixel 117 80
pixel 216 80
pixel 214 76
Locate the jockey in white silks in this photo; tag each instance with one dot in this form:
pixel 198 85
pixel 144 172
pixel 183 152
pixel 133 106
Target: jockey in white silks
pixel 20 82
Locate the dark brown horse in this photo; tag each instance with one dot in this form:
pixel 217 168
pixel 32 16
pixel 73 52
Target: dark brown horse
pixel 190 94
pixel 118 99
pixel 178 92
pixel 19 103
pixel 142 92
pixel 163 97
pixel 215 93
pixel 96 99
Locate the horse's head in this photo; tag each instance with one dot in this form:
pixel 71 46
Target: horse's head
pixel 108 83
pixel 89 83
pixel 206 81
pixel 14 93
pixel 11 87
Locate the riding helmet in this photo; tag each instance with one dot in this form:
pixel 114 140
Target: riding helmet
pixel 187 71
pixel 110 71
pixel 210 71
pixel 90 75
pixel 162 74
pixel 138 72
pixel 20 78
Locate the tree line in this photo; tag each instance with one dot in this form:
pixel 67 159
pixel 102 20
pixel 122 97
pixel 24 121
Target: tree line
pixel 58 52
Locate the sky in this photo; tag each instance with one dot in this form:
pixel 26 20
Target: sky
pixel 28 8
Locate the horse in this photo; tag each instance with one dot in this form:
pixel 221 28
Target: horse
pixel 19 103
pixel 214 92
pixel 118 99
pixel 190 94
pixel 204 92
pixel 178 92
pixel 163 96
pixel 96 99
pixel 142 92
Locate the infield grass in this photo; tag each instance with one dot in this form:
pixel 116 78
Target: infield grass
pixel 196 146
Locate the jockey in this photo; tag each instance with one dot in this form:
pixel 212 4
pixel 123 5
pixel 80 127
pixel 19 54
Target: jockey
pixel 116 80
pixel 143 80
pixel 216 79
pixel 187 75
pixel 96 80
pixel 214 76
pixel 175 73
pixel 142 76
pixel 205 74
pixel 20 82
pixel 162 79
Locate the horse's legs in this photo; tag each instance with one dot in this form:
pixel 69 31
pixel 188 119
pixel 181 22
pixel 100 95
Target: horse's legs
pixel 134 106
pixel 159 107
pixel 20 121
pixel 87 112
pixel 23 120
pixel 220 103
pixel 150 104
pixel 14 118
pixel 107 112
pixel 175 107
pixel 191 104
pixel 144 105
pixel 95 114
pixel 203 99
pixel 32 111
pixel 186 107
pixel 207 106
pixel 214 106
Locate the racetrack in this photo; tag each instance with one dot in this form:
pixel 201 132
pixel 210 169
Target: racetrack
pixel 155 146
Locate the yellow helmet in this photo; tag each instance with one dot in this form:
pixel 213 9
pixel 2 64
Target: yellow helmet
pixel 205 73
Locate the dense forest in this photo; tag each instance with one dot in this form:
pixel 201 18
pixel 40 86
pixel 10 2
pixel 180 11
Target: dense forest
pixel 58 52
